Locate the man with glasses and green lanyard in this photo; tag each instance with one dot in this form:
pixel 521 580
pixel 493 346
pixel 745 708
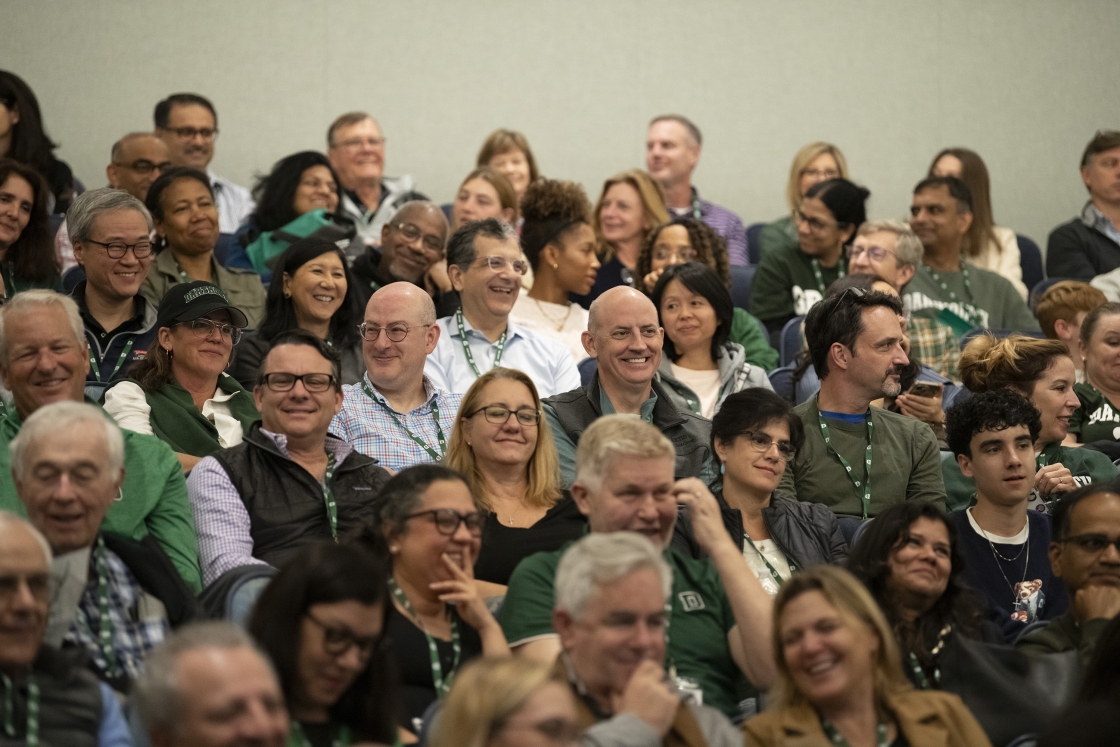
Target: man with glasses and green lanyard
pixel 858 459
pixel 289 482
pixel 485 266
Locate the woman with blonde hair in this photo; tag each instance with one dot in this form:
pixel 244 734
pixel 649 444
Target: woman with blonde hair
pixel 508 152
pixel 503 447
pixel 1041 371
pixel 506 703
pixel 840 678
pixel 630 206
pixel 816 162
pixel 986 245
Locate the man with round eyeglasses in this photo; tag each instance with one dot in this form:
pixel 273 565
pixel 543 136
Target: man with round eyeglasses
pixel 411 242
pixel 395 414
pixel 289 482
pixel 485 267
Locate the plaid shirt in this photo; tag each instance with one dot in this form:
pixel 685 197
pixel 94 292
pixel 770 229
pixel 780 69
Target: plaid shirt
pixel 133 634
pixel 369 425
pixel 935 345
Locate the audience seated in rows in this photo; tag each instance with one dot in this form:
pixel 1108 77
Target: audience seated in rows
pixel 314 291
pixel 858 461
pixel 624 337
pixel 687 240
pixel 1041 371
pixel 503 447
pixel 791 280
pixel 438 619
pixel 289 482
pixel 60 699
pixel 27 260
pixel 672 152
pixel 720 612
pixel 485 266
pixel 113 597
pixel 1097 418
pixel 180 392
pixel 111 234
pixel 1088 247
pixel 181 202
pixel 44 359
pixel 1061 309
pixel 814 163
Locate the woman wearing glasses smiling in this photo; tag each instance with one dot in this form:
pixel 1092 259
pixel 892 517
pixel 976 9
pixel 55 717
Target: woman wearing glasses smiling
pixel 755 434
pixel 179 392
pixel 437 621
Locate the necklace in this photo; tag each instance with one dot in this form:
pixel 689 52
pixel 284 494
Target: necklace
pixel 838 739
pixel 1026 561
pixel 551 319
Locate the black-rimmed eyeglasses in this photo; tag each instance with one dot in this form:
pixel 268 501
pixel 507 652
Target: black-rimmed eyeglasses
pixel 447 520
pixel 499 415
pixel 280 381
pixel 337 640
pixel 117 249
pixel 1093 543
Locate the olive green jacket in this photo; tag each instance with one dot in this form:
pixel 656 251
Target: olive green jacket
pixel 243 287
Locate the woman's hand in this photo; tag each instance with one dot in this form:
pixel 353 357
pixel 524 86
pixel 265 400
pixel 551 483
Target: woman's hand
pixel 925 409
pixel 1054 479
pixel 462 592
pixel 651 279
pixel 437 278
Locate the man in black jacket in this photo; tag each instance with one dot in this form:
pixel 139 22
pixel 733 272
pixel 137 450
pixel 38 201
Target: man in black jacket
pixel 1089 245
pixel 413 240
pixel 289 482
pixel 113 597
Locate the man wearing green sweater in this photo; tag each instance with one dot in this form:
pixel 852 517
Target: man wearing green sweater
pixel 858 460
pixel 43 359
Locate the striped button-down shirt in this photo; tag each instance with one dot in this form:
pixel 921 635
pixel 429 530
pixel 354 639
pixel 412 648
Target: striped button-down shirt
pixel 377 430
pixel 721 220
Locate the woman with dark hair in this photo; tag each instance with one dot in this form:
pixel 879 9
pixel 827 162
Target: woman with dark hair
pixel 314 292
pixel 559 242
pixel 815 162
pixel 790 281
pixel 22 137
pixel 182 205
pixel 700 365
pixel 437 621
pixel 27 258
pixel 686 240
pixel 1098 418
pixel 754 436
pixel 322 621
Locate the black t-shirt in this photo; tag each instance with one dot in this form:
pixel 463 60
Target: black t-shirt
pixel 503 547
pixel 319 735
pixel 410 650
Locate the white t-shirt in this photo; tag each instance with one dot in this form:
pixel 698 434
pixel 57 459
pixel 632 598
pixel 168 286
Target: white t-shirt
pixel 128 406
pixel 777 559
pixel 704 383
pixel 560 322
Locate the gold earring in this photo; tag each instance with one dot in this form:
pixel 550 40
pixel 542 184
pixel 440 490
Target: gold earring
pixel 555 266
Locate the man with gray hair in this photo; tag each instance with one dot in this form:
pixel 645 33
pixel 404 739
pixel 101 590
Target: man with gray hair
pixel 209 685
pixel 113 597
pixel 720 612
pixel 485 267
pixel 44 358
pixel 111 231
pixel 50 697
pixel 611 593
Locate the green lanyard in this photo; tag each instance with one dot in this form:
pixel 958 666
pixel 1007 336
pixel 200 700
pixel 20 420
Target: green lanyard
pixel 105 629
pixel 443 684
pixel 296 737
pixel 975 319
pixel 436 456
pixel 820 278
pixel 328 496
pixel 916 666
pixel 32 737
pixel 697 213
pixel 467 347
pixel 773 571
pixel 838 739
pixel 120 361
pixel 866 497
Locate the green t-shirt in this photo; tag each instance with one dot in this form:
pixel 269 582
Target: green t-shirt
pixel 989 301
pixel 1096 419
pixel 905 463
pixel 1086 466
pixel 785 285
pixel 781 234
pixel 699 621
pixel 154 497
pixel 746 331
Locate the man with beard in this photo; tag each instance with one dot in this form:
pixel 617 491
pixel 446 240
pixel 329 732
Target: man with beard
pixel 855 460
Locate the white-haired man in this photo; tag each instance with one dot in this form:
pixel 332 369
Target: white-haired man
pixel 720 612
pixel 610 614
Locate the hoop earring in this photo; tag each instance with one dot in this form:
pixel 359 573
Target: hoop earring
pixel 120 494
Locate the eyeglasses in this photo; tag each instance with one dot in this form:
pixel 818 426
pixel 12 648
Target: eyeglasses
pixel 394 332
pixel 874 253
pixel 357 142
pixel 412 232
pixel 118 249
pixel 280 381
pixel 497 264
pixel 203 328
pixel 682 255
pixel 816 225
pixel 37 583
pixel 1093 543
pixel 144 167
pixel 555 730
pixel 190 133
pixel 337 641
pixel 821 174
pixel 499 415
pixel 447 520
pixel 762 442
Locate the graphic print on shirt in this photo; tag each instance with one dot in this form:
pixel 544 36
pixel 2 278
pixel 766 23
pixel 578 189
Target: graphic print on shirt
pixel 917 301
pixel 1105 414
pixel 1029 601
pixel 803 299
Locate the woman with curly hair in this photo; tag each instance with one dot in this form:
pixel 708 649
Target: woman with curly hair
pixel 560 244
pixel 27 258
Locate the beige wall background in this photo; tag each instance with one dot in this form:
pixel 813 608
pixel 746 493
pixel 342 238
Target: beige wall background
pixel 1023 82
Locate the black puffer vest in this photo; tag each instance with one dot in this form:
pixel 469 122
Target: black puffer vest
pixel 69 702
